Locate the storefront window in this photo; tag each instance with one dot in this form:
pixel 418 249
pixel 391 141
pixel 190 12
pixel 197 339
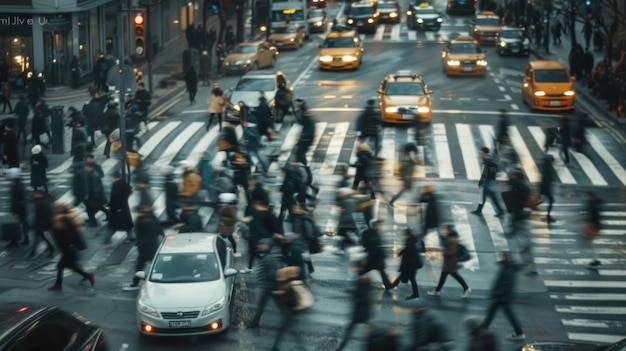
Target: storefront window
pixel 84 43
pixel 16 53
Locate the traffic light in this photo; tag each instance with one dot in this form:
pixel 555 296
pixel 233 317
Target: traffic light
pixel 215 7
pixel 140 35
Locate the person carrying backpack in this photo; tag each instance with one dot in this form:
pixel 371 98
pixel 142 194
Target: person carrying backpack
pixel 488 182
pixel 450 263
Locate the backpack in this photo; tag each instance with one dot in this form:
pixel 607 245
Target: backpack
pixel 463 254
pixel 288 95
pixel 492 168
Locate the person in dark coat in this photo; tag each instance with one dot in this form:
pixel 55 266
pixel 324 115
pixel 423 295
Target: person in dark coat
pixel 21 111
pixel 66 230
pixel 10 156
pixel 548 177
pixel 42 221
pixel 481 339
pixel 502 127
pixel 257 192
pixel 38 166
pixel 361 312
pixel 227 218
pixel 289 188
pixel 588 64
pixel 191 80
pixel 307 134
pixel 80 140
pixel 369 125
pixel 270 260
pixel 428 331
pixel 591 225
pixel 549 130
pixel 93 115
pixel 345 221
pixel 212 38
pixel 149 234
pixel 18 203
pixel 100 72
pixel 566 138
pixel 263 225
pixel 502 296
pixel 79 182
pixel 190 33
pixel 111 123
pixel 119 218
pixel 293 247
pixel 409 160
pixel 450 263
pixel 488 183
pixel 95 198
pixel 171 195
pixel 364 161
pixel 375 260
pixel 263 116
pixel 143 100
pixel 39 124
pixel 410 263
pixel 431 215
pixel 190 221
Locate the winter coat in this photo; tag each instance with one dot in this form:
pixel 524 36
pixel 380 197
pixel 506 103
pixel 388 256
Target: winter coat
pixel 217 101
pixel 93 115
pixel 39 124
pixel 593 212
pixel 225 184
pixel 372 243
pixel 410 258
pixel 120 218
pixel 257 193
pixel 347 207
pixel 18 198
pixel 369 122
pixel 96 198
pixel 21 111
pixel 451 252
pixel 111 120
pixel 79 182
pixel 205 65
pixel 547 178
pixel 364 160
pixel 192 183
pixel 292 255
pixel 206 172
pixel 65 227
pixel 361 296
pixel 308 130
pixel 267 266
pixel 503 286
pixel 44 214
pixel 79 137
pixel 263 224
pixel 565 130
pixel 192 221
pixel 38 165
pixel 409 161
pixel 264 116
pixel 171 194
pixel 191 79
pixel 11 155
pixel 431 217
pixel 227 219
pixel 148 230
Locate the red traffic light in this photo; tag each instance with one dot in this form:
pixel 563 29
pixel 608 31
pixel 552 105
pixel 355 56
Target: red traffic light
pixel 139 19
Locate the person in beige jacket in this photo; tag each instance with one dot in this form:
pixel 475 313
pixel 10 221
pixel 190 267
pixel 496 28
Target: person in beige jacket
pixel 217 104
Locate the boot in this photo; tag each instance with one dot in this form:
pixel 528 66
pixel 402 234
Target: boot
pixel 479 210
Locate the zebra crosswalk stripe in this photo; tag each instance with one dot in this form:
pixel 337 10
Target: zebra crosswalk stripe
pixel 528 164
pixel 587 166
pixel 334 148
pixel 174 148
pixel 561 170
pixel 444 160
pixel 468 150
pixel 157 138
pixel 607 157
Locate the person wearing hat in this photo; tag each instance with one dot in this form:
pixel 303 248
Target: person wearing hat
pixel 368 125
pixel 21 111
pixel 227 219
pixel 149 234
pixel 217 105
pixel 10 156
pixel 364 161
pixel 38 166
pixel 119 218
pixel 18 203
pixel 42 221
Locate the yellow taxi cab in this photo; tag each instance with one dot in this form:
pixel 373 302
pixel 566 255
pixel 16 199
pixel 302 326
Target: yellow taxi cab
pixel 342 49
pixel 548 85
pixel 463 56
pixel 287 35
pixel 250 56
pixel 404 98
pixel 485 27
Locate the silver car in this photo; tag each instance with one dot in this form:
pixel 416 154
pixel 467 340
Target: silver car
pixel 247 90
pixel 189 288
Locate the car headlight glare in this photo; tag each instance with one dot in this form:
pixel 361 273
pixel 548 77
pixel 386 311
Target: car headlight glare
pixel 393 15
pixel 439 19
pixel 247 62
pixel 226 63
pixel 502 44
pixel 409 13
pixel 540 93
pixel 391 109
pixel 423 109
pixel 214 307
pixel 454 63
pixel 569 93
pixel 236 107
pixel 419 20
pixel 349 58
pixel 350 21
pixel 326 58
pixel 370 20
pixel 292 39
pixel 146 308
pixel 318 23
pixel 481 62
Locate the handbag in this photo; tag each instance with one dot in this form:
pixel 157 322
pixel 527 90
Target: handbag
pixel 463 254
pixel 590 230
pixel 11 231
pixel 304 298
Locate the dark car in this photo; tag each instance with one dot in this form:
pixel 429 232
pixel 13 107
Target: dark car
pixel 363 17
pixel 512 41
pixel 461 6
pixel 423 16
pixel 571 346
pixel 27 327
pixel 389 11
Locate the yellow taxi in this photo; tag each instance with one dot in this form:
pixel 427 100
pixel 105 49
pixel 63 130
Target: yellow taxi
pixel 548 85
pixel 250 56
pixel 485 27
pixel 463 56
pixel 342 49
pixel 287 35
pixel 404 98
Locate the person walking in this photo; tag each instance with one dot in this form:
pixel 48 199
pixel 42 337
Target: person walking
pixel 68 237
pixel 18 204
pixel 42 221
pixel 93 114
pixel 263 224
pixel 21 111
pixel 39 124
pixel 6 97
pixel 548 177
pixel 217 104
pixel 557 30
pixel 407 168
pixel 263 116
pixel 270 261
pixel 375 260
pixel 191 80
pixel 362 305
pixel 550 131
pixel 111 123
pixel 345 221
pixel 587 32
pixel 190 221
pixel 431 214
pixel 205 67
pixel 592 225
pixel 191 181
pixel 307 134
pixel 488 183
pixel 172 205
pixel 38 166
pixel 502 296
pixel 79 182
pixel 566 138
pixel 95 198
pixel 450 263
pixel 364 161
pixel 79 140
pixel 10 156
pixel 252 142
pixel 411 261
pixel 149 234
pixel 368 126
pixel 227 219
pixel 143 99
pixel 119 218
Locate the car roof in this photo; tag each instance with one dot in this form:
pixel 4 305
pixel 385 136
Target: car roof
pixel 344 33
pixel 289 25
pixel 463 39
pixel 361 4
pixel 188 243
pixel 423 6
pixel 255 75
pixel 546 64
pixel 510 29
pixel 404 77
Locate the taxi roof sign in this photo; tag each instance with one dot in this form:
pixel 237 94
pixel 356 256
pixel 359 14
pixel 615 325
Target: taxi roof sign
pixel 488 13
pixel 289 11
pixel 405 73
pixel 424 5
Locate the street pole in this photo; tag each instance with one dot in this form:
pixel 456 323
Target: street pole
pixel 548 13
pixel 122 66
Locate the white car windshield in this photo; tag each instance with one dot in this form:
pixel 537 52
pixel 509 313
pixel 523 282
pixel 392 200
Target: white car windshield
pixel 256 84
pixel 185 268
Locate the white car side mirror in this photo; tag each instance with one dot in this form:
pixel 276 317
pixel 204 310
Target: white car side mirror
pixel 229 272
pixel 140 275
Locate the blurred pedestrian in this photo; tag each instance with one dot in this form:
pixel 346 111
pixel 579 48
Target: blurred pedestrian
pixel 345 222
pixel 227 218
pixel 172 204
pixel 428 332
pixel 263 225
pixel 308 131
pixel 481 339
pixel 411 261
pixel 363 163
pixel 39 124
pixel 548 178
pixel 191 181
pixel 501 128
pixel 149 234
pixel 263 113
pixel 38 166
pixel 270 261
pixel 119 218
pixel 18 205
pixel 592 225
pixel 550 131
pixel 252 142
pixel 488 183
pixel 190 220
pixel 362 305
pixel 566 138
pixel 42 221
pixel 450 263
pixel 67 227
pixel 21 111
pixel 369 126
pixel 111 123
pixel 79 182
pixel 407 164
pixel 205 67
pixel 217 104
pixel 430 217
pixel 143 99
pixel 191 80
pixel 10 156
pixel 375 260
pixel 96 198
pixel 6 97
pixel 502 296
pixel 587 32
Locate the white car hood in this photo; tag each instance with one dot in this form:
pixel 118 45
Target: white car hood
pixel 250 98
pixel 184 296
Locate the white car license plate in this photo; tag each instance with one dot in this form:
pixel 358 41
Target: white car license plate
pixel 180 324
pixel 407 117
pixel 467 69
pixel 359 23
pixel 555 103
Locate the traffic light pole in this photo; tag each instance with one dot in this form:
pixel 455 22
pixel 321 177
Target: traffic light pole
pixel 148 48
pixel 122 89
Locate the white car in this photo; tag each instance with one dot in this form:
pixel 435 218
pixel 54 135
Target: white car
pixel 247 90
pixel 189 289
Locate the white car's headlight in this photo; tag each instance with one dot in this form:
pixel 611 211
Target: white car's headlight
pixel 370 20
pixel 569 93
pixel 318 23
pixel 214 307
pixel 423 109
pixel 503 44
pixel 236 107
pixel 326 58
pixel 540 93
pixel 409 13
pixel 481 62
pixel 391 109
pixel 247 62
pixel 454 63
pixel 439 19
pixel 393 15
pixel 419 20
pixel 226 63
pixel 146 308
pixel 350 21
pixel 292 39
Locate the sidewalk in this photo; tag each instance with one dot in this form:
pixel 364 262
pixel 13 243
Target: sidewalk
pixel 561 53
